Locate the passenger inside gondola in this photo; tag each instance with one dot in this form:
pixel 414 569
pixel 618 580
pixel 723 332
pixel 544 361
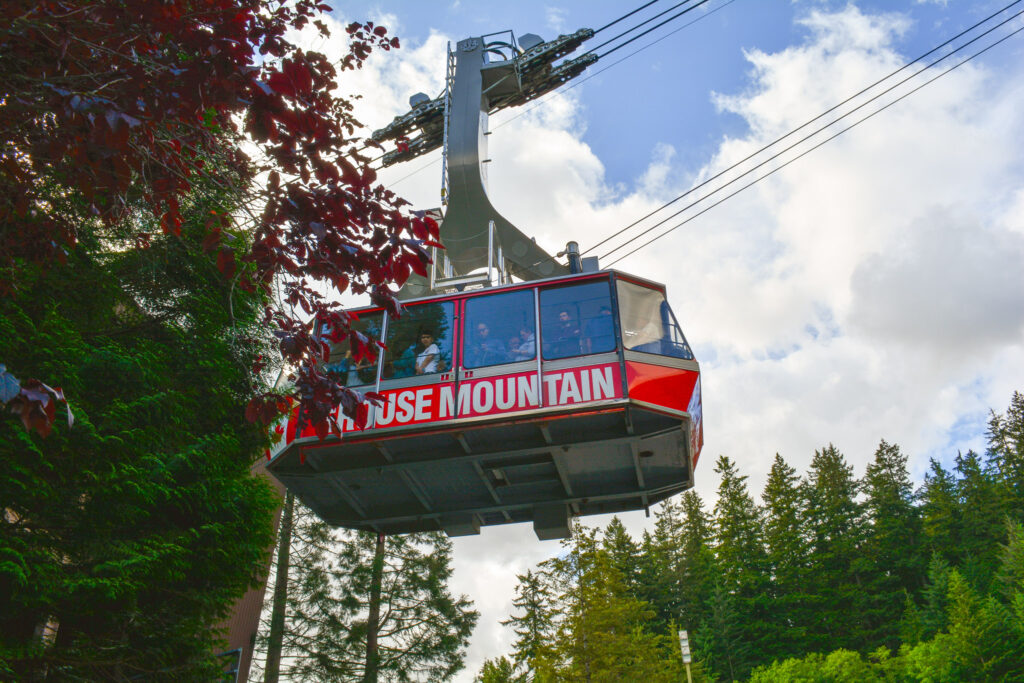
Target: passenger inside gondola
pixel 342 361
pixel 599 332
pixel 527 348
pixel 426 358
pixel 576 320
pixel 419 343
pixel 499 329
pixel 483 349
pixel 567 336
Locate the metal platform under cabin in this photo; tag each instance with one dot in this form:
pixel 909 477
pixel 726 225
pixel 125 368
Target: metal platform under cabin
pixel 542 468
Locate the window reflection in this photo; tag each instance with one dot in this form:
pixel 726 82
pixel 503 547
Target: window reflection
pixel 420 341
pixel 500 329
pixel 342 362
pixel 648 324
pixel 577 320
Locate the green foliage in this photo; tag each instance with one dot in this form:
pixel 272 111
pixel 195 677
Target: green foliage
pixel 534 625
pixel 825 581
pixel 498 670
pixel 741 588
pixel 891 545
pixel 1006 453
pixel 127 538
pixel 601 633
pixel 423 628
pixel 834 522
pixel 787 550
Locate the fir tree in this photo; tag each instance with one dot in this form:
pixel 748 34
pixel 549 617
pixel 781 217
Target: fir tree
pixel 722 640
pixel 131 534
pixel 836 564
pixel 498 670
pixel 421 629
pixel 741 565
pixel 601 636
pixel 1006 452
pixel 940 513
pixel 786 556
pixel 892 545
pixel 981 501
pixel 534 626
pixel 693 568
pixel 622 552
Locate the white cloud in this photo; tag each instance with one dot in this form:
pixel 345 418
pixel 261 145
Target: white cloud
pixel 871 290
pixel 555 17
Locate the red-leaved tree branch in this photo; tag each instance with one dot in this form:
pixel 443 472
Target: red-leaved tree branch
pixel 119 102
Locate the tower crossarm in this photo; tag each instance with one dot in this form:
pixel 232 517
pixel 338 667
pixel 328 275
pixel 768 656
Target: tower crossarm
pixel 548 52
pixel 425 116
pixel 566 71
pixel 428 141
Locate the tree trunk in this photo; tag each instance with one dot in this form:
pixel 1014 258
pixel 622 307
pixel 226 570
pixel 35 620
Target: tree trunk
pixel 276 637
pixel 373 619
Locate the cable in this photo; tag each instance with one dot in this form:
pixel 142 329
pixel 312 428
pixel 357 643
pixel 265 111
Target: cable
pixel 619 61
pixel 801 127
pixel 409 175
pixel 646 21
pixel 653 28
pixel 809 136
pixel 625 16
pixel 829 139
pixel 601 71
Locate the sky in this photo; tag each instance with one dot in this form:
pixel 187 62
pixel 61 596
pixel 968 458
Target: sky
pixel 871 290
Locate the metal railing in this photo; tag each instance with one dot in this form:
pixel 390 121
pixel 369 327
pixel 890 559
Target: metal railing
pixel 443 277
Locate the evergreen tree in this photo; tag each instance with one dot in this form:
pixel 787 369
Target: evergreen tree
pixel 601 636
pixel 741 566
pixel 422 630
pixel 940 513
pixel 498 670
pixel 786 556
pixel 722 640
pixel 131 534
pixel 1006 452
pixel 535 625
pixel 984 641
pixel 697 569
pixel 922 623
pixel 892 546
pixel 655 582
pixel 836 564
pixel 981 500
pixel 623 553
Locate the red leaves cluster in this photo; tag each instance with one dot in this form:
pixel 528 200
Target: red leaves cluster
pixel 34 402
pixel 112 102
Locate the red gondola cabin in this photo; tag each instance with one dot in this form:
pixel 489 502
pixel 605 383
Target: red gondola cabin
pixel 535 401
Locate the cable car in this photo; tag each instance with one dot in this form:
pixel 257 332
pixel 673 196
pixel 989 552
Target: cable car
pixel 569 392
pixel 531 401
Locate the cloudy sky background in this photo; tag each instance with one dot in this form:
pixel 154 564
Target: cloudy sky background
pixel 873 289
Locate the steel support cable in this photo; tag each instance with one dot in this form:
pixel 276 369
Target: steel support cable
pixel 653 28
pixel 409 175
pixel 802 126
pixel 631 54
pixel 811 149
pixel 616 62
pixel 625 16
pixel 584 80
pixel 645 21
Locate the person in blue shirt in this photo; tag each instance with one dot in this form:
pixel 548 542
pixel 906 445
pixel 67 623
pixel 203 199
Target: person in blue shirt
pixel 483 349
pixel 599 333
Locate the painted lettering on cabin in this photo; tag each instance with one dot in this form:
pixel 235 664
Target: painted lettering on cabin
pixel 491 396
